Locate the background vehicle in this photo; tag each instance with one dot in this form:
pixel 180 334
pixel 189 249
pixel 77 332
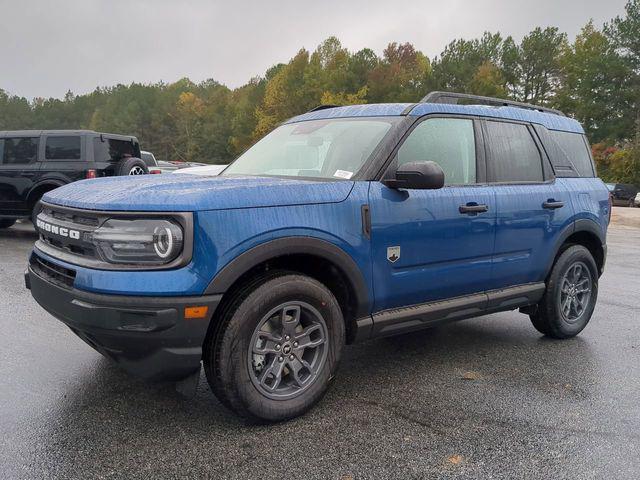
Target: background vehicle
pixel 623 194
pixel 202 170
pixel 150 160
pixel 637 200
pixel 342 224
pixel 35 162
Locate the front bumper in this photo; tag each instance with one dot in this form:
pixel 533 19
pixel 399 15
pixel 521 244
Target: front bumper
pixel 147 336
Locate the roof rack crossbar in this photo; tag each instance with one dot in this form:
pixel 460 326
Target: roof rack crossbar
pixel 453 98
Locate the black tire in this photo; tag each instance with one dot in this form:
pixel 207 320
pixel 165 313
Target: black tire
pixel 549 318
pixel 7 222
pixel 229 348
pixel 132 166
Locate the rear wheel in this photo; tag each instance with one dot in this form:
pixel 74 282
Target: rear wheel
pixel 571 294
pixel 6 222
pixel 276 347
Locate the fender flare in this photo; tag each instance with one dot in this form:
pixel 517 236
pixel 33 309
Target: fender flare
pixel 580 225
pixel 292 246
pixel 47 182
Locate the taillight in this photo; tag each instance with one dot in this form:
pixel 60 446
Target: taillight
pixel 91 174
pixel 155 172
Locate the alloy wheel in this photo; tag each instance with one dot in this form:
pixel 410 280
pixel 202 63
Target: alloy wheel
pixel 575 292
pixel 137 170
pixel 288 350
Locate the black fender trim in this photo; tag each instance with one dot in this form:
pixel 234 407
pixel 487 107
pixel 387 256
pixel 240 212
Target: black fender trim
pixel 581 225
pixel 293 246
pixel 55 183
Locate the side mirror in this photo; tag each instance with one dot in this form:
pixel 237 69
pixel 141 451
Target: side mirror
pixel 422 175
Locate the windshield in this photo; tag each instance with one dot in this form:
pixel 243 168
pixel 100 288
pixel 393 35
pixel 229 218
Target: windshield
pixel 333 148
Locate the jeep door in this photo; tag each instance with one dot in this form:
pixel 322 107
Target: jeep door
pixel 18 171
pixel 64 158
pixel 532 207
pixel 428 244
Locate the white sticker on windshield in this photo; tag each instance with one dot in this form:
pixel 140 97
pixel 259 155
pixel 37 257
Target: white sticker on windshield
pixel 343 174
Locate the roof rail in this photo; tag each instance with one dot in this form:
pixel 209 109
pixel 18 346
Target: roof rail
pixel 452 98
pixel 322 107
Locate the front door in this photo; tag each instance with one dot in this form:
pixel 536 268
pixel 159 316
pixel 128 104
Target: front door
pixel 434 244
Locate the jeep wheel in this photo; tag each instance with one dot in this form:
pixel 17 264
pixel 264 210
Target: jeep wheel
pixel 570 297
pixel 6 222
pixel 276 347
pixel 132 166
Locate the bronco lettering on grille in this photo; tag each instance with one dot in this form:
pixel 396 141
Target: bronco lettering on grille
pixel 57 230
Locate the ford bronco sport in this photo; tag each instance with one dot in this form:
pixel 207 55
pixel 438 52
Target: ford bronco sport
pixel 343 224
pixel 35 162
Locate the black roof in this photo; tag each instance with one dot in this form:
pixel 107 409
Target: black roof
pixel 37 133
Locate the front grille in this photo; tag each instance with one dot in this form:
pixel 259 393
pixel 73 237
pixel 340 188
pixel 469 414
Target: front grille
pixel 56 274
pixel 68 230
pixel 70 216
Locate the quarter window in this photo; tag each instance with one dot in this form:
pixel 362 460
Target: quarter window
pixel 450 142
pixel 574 146
pixel 62 148
pixel 20 150
pixel 514 154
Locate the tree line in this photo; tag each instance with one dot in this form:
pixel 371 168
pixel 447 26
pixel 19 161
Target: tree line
pixel 595 78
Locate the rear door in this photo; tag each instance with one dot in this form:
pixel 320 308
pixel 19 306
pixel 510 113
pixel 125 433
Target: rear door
pixel 64 157
pixel 532 208
pixel 18 171
pixel 434 244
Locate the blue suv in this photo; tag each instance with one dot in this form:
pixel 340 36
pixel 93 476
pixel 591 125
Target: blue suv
pixel 341 225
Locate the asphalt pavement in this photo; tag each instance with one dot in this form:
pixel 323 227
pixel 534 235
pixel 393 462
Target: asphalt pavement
pixel 482 398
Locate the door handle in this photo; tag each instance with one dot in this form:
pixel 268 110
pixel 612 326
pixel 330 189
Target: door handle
pixel 473 208
pixel 552 204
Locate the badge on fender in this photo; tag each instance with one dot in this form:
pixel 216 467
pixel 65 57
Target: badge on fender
pixel 393 254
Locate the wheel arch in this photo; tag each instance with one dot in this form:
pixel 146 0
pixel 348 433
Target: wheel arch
pixel 314 257
pixel 588 234
pixel 39 189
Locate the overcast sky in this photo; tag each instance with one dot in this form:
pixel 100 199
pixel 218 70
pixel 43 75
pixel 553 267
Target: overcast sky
pixel 50 46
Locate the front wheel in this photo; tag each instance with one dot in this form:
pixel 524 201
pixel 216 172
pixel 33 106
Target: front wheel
pixel 276 347
pixel 571 294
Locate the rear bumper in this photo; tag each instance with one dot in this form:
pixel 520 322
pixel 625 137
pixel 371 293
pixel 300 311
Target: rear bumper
pixel 148 336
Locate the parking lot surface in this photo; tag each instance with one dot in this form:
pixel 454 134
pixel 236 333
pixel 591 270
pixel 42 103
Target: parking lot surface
pixel 483 398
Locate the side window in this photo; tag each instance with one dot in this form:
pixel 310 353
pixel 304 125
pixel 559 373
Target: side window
pixel 575 147
pixel 62 148
pixel 450 142
pixel 112 150
pixel 20 150
pixel 514 154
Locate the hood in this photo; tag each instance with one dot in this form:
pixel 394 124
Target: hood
pixel 183 193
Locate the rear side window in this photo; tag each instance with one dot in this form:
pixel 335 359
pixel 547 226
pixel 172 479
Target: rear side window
pixel 575 147
pixel 111 150
pixel 514 154
pixel 62 148
pixel 20 150
pixel 450 142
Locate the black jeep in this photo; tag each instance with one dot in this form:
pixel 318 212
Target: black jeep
pixel 34 162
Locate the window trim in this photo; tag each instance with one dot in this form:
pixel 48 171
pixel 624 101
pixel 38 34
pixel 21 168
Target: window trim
pixel 21 165
pixel 45 138
pixel 548 176
pixel 387 170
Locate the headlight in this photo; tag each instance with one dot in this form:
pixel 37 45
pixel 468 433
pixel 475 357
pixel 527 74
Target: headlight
pixel 142 241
